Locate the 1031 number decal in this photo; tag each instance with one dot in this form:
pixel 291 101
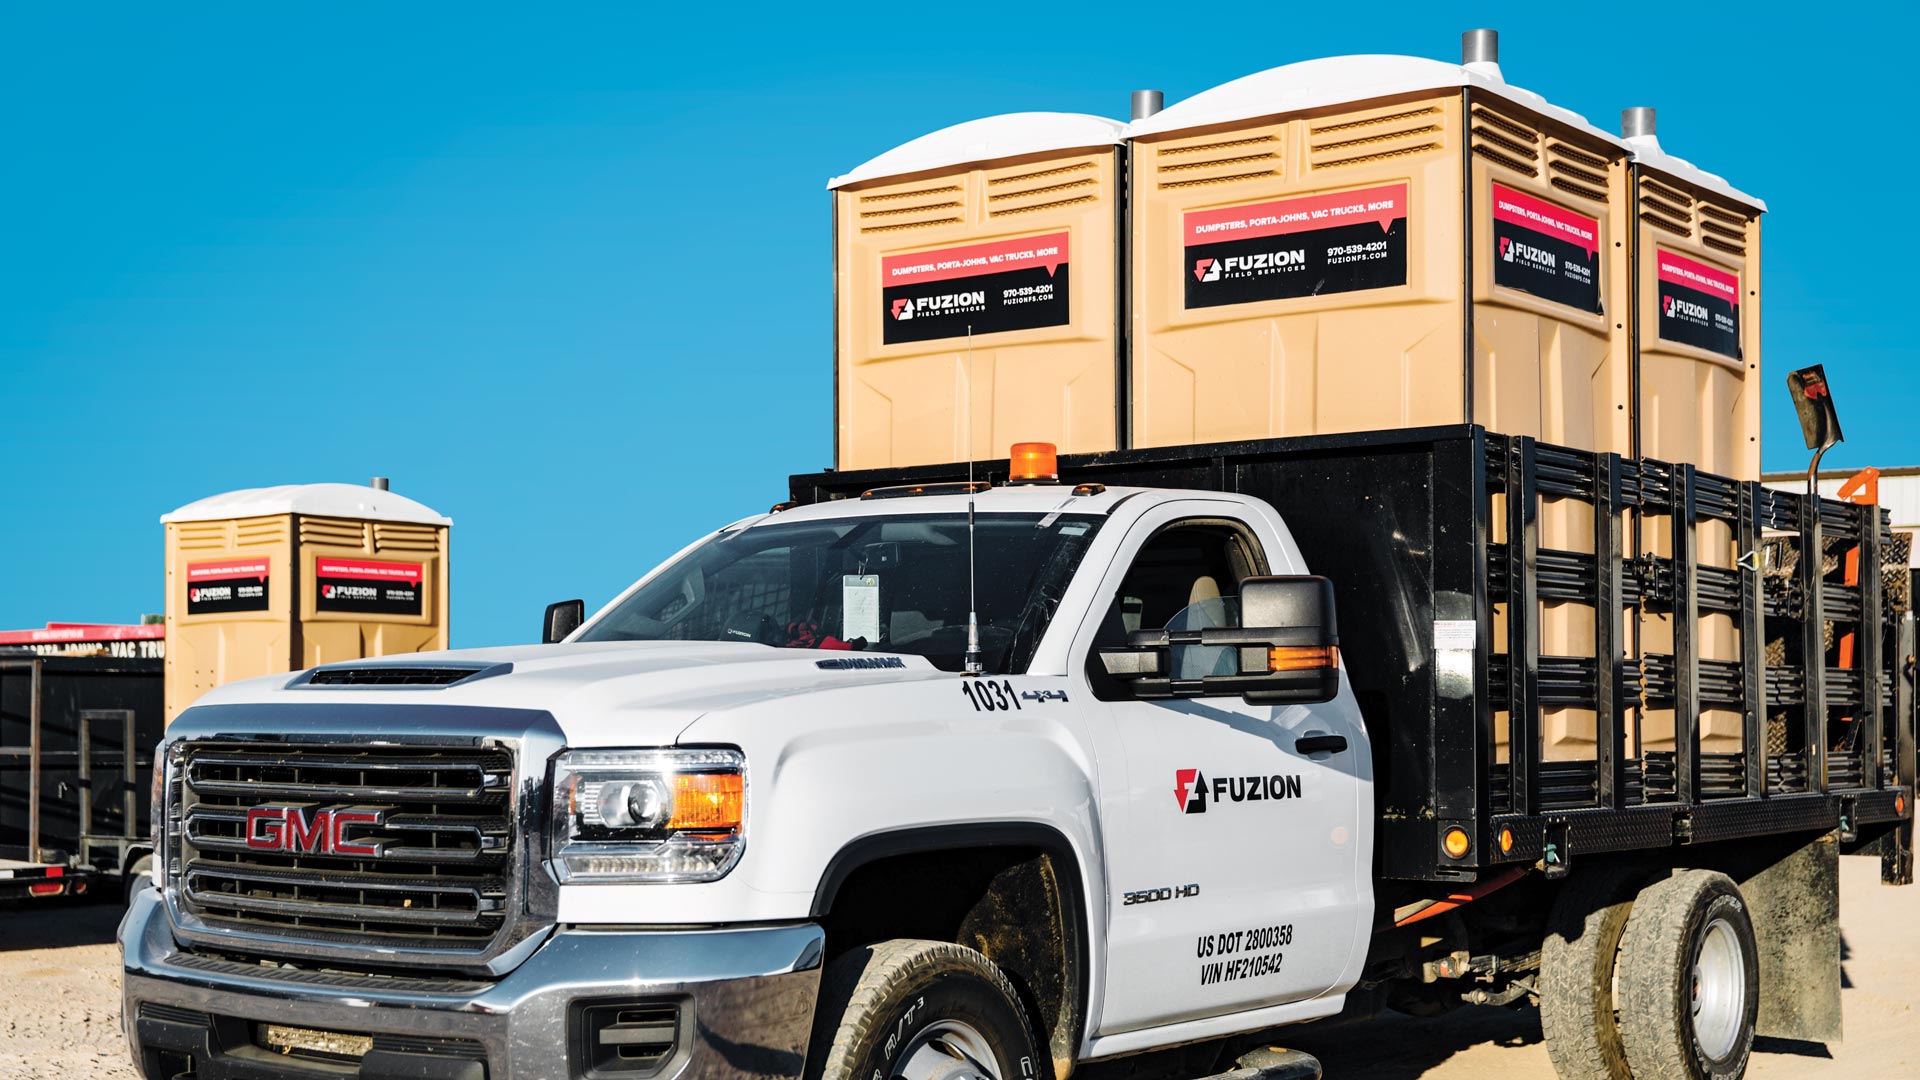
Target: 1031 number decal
pixel 990 696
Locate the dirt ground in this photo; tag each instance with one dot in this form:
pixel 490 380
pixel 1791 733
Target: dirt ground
pixel 59 1006
pixel 60 992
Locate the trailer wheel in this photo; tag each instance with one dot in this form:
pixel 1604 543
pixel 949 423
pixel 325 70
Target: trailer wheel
pixel 1689 979
pixel 919 1010
pixel 1578 960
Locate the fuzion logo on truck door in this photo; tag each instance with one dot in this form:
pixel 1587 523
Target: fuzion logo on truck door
pixel 989 288
pixel 1192 790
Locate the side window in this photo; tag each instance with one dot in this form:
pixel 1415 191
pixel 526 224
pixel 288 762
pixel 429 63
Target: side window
pixel 1187 576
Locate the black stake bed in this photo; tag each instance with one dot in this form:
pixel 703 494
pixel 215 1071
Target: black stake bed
pixel 1434 540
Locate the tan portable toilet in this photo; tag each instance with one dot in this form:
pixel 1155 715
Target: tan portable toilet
pixel 1696 250
pixel 976 284
pixel 277 579
pixel 1371 242
pixel 1695 337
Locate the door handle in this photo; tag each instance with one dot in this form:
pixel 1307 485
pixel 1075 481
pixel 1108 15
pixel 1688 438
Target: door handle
pixel 1316 744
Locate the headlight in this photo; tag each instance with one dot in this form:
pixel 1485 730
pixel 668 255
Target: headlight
pixel 648 815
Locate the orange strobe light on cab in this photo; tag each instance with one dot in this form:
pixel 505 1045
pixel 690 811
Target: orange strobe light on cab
pixel 1033 463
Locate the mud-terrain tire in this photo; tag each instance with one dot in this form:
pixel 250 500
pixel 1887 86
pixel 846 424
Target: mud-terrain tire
pixel 922 1010
pixel 1577 961
pixel 1689 980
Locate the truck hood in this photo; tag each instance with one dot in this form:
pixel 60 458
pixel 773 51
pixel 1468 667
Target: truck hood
pixel 616 693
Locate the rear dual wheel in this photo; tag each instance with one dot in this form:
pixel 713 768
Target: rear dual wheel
pixel 1689 980
pixel 1660 983
pixel 1578 1013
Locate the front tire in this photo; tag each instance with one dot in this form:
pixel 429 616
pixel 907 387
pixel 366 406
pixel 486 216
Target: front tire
pixel 138 876
pixel 919 1010
pixel 1689 979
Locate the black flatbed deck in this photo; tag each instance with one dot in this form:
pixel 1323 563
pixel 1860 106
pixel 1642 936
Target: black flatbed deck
pixel 1415 526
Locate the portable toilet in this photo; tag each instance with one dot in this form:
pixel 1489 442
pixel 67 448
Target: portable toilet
pixel 976 285
pixel 1695 333
pixel 277 579
pixel 1371 242
pixel 1696 250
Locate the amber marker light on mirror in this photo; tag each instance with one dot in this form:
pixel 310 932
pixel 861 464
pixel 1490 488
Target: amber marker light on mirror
pixel 1302 657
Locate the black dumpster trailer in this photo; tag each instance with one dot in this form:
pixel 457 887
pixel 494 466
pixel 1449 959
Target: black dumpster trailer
pixel 76 753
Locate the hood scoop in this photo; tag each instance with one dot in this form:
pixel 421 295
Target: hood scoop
pixel 429 676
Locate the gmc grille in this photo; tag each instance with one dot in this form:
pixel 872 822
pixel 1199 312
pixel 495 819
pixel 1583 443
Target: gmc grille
pixel 440 818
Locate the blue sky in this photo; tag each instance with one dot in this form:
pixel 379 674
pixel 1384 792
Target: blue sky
pixel 498 255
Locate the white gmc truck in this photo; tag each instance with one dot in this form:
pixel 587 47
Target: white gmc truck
pixel 969 781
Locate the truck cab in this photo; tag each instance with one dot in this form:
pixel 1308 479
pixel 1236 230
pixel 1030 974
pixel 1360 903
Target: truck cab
pixel 777 731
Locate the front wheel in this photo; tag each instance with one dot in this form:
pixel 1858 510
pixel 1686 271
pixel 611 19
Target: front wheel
pixel 138 876
pixel 919 1010
pixel 1689 980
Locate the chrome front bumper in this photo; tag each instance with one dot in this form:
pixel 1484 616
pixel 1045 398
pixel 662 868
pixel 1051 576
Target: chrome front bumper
pixel 745 998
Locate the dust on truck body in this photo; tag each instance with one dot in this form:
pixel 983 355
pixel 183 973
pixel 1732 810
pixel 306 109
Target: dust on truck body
pixel 1016 768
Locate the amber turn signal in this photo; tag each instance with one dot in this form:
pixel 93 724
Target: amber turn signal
pixel 1033 463
pixel 1506 841
pixel 708 802
pixel 1302 657
pixel 1454 843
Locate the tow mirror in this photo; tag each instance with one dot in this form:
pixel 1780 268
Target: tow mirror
pixel 562 619
pixel 1285 651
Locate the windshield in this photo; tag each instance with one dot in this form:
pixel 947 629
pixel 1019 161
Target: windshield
pixel 894 584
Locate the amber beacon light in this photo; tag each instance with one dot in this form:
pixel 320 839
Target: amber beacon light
pixel 1033 463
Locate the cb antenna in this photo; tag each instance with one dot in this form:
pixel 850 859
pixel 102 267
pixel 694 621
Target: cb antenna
pixel 971 665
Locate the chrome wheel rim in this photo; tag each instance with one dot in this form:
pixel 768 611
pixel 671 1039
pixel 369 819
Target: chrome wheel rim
pixel 1719 990
pixel 947 1050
